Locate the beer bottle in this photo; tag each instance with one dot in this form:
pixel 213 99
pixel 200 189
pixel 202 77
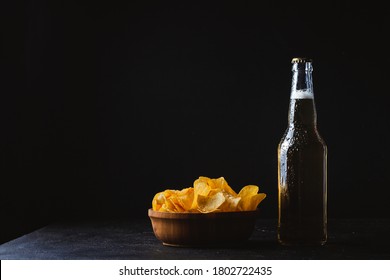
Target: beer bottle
pixel 302 166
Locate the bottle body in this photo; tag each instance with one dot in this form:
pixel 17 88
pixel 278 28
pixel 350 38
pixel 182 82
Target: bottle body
pixel 302 175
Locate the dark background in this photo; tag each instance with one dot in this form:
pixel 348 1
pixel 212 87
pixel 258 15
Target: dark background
pixel 103 105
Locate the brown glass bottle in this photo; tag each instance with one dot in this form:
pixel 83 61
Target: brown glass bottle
pixel 302 167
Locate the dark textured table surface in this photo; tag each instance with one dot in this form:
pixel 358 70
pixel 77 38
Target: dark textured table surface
pixel 348 239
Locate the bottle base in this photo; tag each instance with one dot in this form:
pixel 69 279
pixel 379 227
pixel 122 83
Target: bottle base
pixel 301 243
pixel 302 235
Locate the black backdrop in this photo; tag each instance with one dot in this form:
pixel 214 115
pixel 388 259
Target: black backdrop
pixel 103 105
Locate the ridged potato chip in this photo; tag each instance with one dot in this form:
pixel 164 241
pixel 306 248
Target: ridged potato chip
pixel 185 198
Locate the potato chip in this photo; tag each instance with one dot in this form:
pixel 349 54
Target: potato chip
pixel 158 201
pixel 255 201
pixel 206 196
pixel 247 193
pixel 222 184
pixel 202 186
pixel 185 198
pixel 207 204
pixel 166 201
pixel 176 207
pixel 231 203
pixel 205 182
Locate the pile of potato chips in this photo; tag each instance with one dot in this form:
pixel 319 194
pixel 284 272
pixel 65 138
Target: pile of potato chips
pixel 208 195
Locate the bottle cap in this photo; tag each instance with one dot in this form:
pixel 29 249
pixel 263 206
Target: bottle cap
pixel 300 60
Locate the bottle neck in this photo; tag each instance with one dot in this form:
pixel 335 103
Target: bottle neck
pixel 302 108
pixel 302 112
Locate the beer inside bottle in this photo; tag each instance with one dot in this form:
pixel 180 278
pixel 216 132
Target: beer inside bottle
pixel 302 166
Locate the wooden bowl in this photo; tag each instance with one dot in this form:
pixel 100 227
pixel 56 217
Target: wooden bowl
pixel 203 230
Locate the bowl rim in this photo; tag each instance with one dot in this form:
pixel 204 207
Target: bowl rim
pixel 197 215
